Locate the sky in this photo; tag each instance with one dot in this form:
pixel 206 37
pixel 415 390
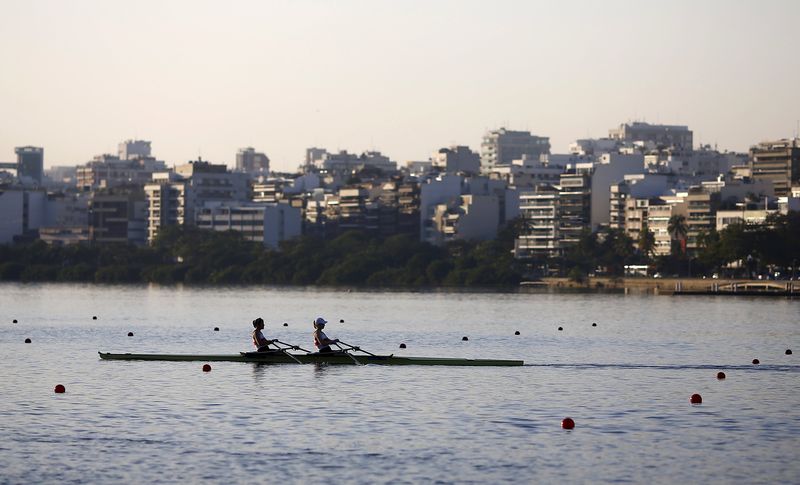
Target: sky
pixel 406 77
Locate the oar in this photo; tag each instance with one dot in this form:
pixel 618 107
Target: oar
pixel 347 353
pixel 285 352
pixel 293 347
pixel 358 349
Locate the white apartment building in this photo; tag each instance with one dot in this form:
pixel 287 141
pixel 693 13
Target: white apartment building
pixel 173 196
pixel 268 224
pixel 502 146
pixel 466 217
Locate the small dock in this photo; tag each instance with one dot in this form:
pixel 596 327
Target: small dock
pixel 788 289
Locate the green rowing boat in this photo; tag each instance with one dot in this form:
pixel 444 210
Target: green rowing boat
pixel 314 358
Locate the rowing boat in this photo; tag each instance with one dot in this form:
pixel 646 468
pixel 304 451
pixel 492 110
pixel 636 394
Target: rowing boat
pixel 313 358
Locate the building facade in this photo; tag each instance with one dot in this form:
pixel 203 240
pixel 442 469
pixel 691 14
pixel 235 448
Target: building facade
pixel 501 147
pixel 778 162
pixel 250 161
pixel 30 163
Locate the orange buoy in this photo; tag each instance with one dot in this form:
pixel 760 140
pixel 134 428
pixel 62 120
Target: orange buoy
pixel 27 340
pixel 341 320
pixel 60 389
pixel 285 324
pixel 756 361
pixel 721 375
pixel 560 329
pixel 464 338
pixel 788 352
pixel 130 334
pixel 567 423
pixel 206 368
pixel 516 333
pixel 14 321
pixel 696 399
pixel 402 346
pixel 216 329
pixel 94 317
pixel 594 324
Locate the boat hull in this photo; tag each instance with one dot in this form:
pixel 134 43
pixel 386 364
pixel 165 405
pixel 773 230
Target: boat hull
pixel 336 359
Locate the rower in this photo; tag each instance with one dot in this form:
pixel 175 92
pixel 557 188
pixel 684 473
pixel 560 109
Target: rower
pixel 321 341
pixel 261 342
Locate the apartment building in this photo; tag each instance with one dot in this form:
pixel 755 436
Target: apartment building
pixel 173 196
pixel 457 159
pixel 267 223
pixel 466 217
pixel 677 137
pixel 778 162
pixel 555 217
pixel 250 161
pixel 118 215
pixel 502 146
pixel 109 171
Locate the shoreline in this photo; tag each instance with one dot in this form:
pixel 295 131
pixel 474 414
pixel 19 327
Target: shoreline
pixel 676 286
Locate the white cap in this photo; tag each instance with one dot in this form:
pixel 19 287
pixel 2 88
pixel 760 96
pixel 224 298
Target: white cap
pixel 320 321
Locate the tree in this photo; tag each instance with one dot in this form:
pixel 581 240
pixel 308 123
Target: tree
pixel 678 230
pixel 646 242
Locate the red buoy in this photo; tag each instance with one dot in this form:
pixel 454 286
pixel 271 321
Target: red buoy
pixel 216 329
pixel 206 368
pixel 756 361
pixel 594 324
pixel 516 333
pixel 720 375
pixel 560 329
pixel 130 334
pixel 60 389
pixel 285 324
pixel 27 340
pixel 567 423
pixel 402 346
pixel 464 339
pixel 788 352
pixel 696 399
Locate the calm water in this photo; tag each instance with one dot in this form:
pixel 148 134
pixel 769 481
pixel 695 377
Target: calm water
pixel 626 383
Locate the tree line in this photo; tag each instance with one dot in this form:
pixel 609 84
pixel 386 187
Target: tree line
pixel 194 256
pixel 743 250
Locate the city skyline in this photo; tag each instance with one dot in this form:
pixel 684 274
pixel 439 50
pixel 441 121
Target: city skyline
pixel 202 79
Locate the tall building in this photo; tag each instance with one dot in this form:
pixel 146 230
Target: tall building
pixel 501 147
pixel 466 217
pixel 30 162
pixel 555 217
pixel 173 197
pixel 268 224
pixel 457 159
pixel 250 161
pixel 133 149
pixel 676 137
pixel 778 162
pixel 107 171
pixel 118 216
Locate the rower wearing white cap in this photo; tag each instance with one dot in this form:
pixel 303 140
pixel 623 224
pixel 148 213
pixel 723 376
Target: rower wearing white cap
pixel 321 341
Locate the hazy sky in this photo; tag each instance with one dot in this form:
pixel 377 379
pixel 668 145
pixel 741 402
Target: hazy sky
pixel 404 77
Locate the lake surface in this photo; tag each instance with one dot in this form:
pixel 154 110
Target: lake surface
pixel 625 382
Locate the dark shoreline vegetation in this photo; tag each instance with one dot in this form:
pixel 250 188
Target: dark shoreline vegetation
pixel 193 256
pixel 188 255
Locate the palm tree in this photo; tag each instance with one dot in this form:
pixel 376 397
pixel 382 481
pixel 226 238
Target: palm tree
pixel 678 229
pixel 647 241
